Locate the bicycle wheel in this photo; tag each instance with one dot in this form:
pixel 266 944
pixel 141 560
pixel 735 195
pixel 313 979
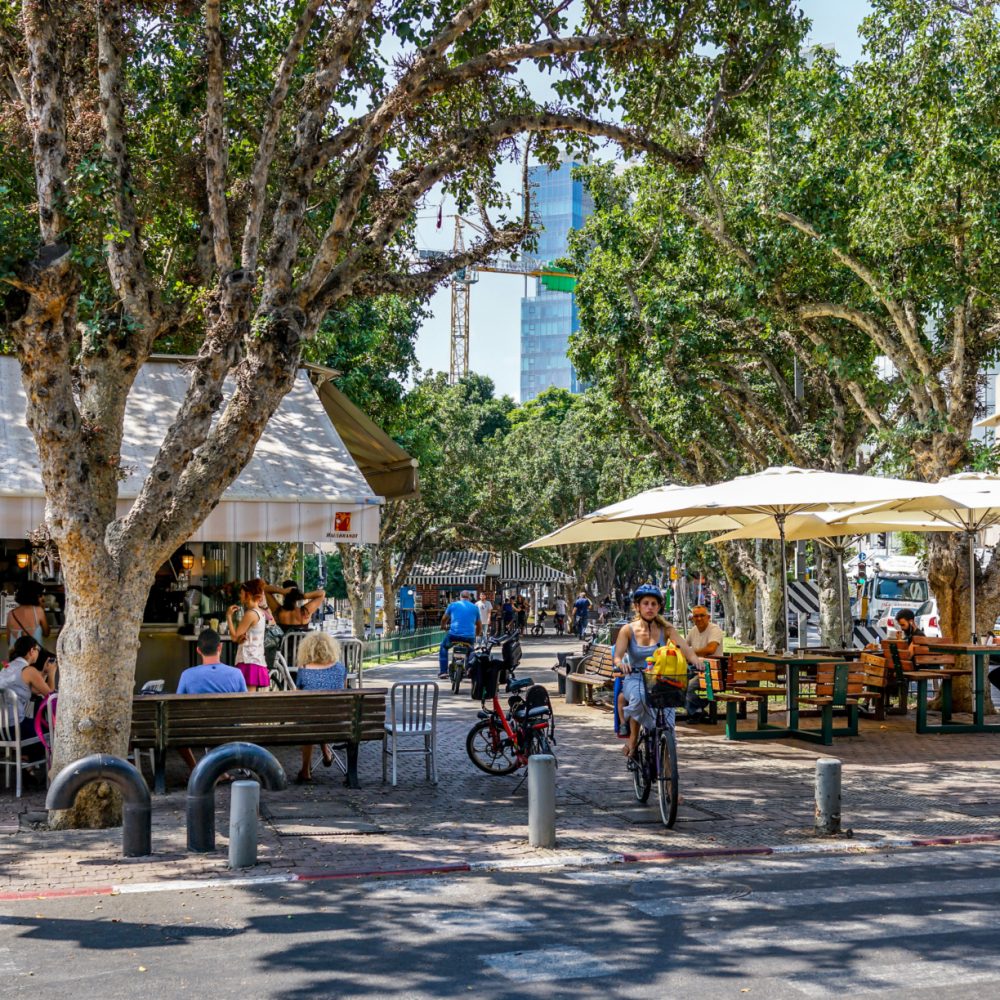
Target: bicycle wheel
pixel 457 671
pixel 490 749
pixel 666 777
pixel 539 743
pixel 640 771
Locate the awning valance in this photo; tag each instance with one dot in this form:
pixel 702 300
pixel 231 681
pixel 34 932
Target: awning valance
pixel 300 485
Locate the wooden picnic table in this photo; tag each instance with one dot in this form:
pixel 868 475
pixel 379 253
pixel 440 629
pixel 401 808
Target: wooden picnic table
pixel 794 666
pixel 980 654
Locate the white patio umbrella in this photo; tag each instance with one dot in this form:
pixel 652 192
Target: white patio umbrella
pixel 777 493
pixel 817 527
pixel 596 527
pixel 966 502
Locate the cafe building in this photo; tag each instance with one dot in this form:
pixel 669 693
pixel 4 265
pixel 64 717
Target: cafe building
pixel 319 474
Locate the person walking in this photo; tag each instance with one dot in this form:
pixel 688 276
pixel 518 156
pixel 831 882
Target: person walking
pixel 581 611
pixel 485 607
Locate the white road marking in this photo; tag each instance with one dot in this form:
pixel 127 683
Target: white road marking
pixel 914 974
pixel 820 896
pixel 549 963
pixel 473 921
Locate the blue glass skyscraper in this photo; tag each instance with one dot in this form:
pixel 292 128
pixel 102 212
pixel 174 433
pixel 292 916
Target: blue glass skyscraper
pixel 548 318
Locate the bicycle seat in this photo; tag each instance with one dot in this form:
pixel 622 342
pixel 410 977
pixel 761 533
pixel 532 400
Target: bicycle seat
pixel 520 685
pixel 483 715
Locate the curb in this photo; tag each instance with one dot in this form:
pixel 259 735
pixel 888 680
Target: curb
pixel 553 862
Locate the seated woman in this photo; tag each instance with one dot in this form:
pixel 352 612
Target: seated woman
pixel 25 679
pixel 641 638
pixel 320 669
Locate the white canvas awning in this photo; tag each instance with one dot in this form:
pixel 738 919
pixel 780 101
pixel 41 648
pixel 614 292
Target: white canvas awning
pixel 301 485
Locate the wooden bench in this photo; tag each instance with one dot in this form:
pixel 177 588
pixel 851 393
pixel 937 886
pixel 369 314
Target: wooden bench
pixel 843 686
pixel 285 718
pixel 747 683
pixel 712 685
pixel 595 671
pixel 912 662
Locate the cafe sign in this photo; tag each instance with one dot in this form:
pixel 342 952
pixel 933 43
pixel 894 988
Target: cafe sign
pixel 346 527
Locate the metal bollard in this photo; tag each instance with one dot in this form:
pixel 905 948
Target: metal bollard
pixel 542 800
pixel 827 796
pixel 803 631
pixel 201 786
pixel 243 807
pixel 137 810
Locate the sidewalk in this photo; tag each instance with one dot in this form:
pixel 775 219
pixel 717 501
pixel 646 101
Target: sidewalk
pixel 896 785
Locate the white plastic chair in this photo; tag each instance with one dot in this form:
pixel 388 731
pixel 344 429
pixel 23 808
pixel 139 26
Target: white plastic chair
pixel 412 712
pixel 11 742
pixel 290 648
pixel 281 676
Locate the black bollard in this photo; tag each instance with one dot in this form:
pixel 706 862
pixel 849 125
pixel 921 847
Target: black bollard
pixel 201 786
pixel 137 818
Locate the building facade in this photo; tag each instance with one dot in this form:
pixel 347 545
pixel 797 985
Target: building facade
pixel 548 318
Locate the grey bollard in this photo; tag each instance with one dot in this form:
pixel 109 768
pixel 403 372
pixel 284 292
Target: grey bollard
pixel 243 806
pixel 542 800
pixel 803 631
pixel 827 796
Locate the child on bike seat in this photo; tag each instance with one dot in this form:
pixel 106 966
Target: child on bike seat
pixel 640 638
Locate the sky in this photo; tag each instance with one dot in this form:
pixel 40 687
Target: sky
pixel 495 301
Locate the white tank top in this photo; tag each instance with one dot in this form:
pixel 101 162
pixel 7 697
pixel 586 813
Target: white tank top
pixel 252 647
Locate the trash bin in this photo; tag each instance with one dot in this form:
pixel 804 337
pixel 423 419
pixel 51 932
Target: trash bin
pixel 561 677
pixel 574 692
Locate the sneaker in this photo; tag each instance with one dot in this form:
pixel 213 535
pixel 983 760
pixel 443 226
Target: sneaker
pixel 442 676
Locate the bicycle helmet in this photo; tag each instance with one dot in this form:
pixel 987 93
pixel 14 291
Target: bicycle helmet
pixel 647 590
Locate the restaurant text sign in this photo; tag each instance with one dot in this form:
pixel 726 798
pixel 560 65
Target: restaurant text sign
pixel 343 527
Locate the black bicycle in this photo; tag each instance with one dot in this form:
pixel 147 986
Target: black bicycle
pixel 655 756
pixel 458 662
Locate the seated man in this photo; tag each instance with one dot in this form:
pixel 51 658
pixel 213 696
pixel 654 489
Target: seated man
pixel 212 677
pixel 705 638
pixel 461 620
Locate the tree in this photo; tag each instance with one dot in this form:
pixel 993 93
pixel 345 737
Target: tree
pixel 293 200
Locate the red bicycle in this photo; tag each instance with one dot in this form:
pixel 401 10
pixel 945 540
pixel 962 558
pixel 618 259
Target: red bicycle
pixel 503 740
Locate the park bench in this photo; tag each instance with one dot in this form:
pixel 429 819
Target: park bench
pixel 284 718
pixel 596 670
pixel 913 662
pixel 738 683
pixel 843 686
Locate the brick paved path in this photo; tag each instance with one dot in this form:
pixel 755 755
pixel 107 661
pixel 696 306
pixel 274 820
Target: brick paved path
pixel 896 785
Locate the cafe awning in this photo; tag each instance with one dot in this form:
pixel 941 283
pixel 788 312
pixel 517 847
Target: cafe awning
pixel 301 485
pixel 390 471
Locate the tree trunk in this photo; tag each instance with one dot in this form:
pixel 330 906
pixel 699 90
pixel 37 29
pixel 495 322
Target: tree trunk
pixel 772 597
pixel 357 582
pixel 97 652
pixel 833 627
pixel 734 558
pixel 388 593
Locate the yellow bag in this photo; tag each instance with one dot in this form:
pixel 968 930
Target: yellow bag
pixel 668 664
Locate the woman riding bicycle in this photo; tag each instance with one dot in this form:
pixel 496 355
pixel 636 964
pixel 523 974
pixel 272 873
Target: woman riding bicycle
pixel 640 638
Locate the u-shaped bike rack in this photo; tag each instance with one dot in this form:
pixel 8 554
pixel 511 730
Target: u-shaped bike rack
pixel 137 816
pixel 201 786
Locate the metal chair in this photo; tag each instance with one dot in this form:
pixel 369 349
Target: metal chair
pixel 11 742
pixel 353 652
pixel 412 712
pixel 281 676
pixel 45 726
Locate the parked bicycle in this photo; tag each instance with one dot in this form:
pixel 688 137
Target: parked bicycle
pixel 655 756
pixel 503 739
pixel 539 627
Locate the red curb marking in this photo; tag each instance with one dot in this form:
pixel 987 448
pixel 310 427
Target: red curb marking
pixel 100 890
pixel 970 838
pixel 709 852
pixel 374 873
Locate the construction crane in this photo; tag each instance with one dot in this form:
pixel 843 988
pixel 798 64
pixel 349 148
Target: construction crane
pixel 555 279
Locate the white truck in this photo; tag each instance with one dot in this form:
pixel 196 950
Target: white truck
pixel 892 583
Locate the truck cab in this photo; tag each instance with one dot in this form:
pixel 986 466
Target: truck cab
pixel 892 585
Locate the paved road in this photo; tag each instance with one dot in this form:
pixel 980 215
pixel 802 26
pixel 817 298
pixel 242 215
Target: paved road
pixel 906 924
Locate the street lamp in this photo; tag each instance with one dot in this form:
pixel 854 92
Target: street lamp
pixel 187 559
pixel 23 559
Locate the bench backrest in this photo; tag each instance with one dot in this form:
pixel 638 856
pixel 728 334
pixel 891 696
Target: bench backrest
pixel 744 672
pixel 712 671
pixel 871 670
pixel 924 659
pixel 285 717
pixel 599 661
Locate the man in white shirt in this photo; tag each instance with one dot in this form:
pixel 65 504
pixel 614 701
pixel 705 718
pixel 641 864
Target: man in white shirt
pixel 485 606
pixel 705 638
pixel 560 614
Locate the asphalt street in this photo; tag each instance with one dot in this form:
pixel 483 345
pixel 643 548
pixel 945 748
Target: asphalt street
pixel 909 923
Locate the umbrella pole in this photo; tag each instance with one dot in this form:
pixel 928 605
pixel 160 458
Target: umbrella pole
pixel 972 578
pixel 675 584
pixel 840 588
pixel 780 519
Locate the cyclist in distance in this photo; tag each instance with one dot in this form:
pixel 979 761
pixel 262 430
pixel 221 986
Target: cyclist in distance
pixel 581 610
pixel 461 619
pixel 640 638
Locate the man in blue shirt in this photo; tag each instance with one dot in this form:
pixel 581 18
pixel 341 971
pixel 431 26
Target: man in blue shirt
pixel 461 619
pixel 581 611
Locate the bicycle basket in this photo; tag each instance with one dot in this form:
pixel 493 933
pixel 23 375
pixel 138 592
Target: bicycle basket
pixel 663 694
pixel 487 676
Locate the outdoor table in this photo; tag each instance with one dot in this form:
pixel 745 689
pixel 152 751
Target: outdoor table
pixel 794 666
pixel 980 654
pixel 843 654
